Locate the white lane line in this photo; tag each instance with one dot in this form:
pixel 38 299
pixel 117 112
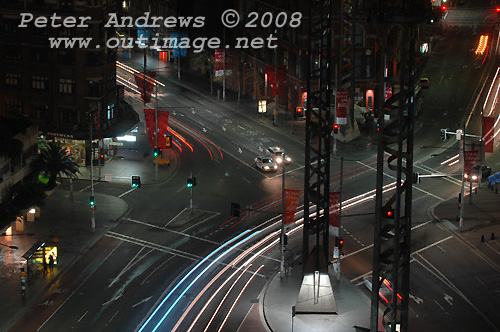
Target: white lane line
pixel 127 192
pixel 394 178
pixel 86 312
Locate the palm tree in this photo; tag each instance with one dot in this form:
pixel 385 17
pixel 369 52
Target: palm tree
pixel 53 161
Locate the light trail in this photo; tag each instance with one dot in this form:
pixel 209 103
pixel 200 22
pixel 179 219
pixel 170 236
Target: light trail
pixel 135 71
pixel 213 253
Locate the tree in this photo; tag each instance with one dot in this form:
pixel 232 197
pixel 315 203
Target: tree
pixel 54 161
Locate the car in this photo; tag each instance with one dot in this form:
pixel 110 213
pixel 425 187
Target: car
pixel 278 154
pixel 424 83
pixel 266 163
pixel 484 170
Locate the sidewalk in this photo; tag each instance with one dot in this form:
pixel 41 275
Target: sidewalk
pixel 63 223
pixel 482 217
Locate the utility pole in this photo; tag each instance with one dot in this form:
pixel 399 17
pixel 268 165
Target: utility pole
pixel 92 218
pixel 462 187
pixel 283 209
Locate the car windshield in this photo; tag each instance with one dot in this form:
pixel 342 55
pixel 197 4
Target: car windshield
pixel 266 160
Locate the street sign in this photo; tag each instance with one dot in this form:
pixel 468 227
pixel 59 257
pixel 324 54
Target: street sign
pixel 470 160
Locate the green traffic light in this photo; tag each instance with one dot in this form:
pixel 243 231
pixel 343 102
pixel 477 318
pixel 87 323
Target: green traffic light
pixel 92 201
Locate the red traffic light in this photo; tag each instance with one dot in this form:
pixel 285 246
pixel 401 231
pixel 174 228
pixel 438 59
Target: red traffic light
pixel 497 9
pixel 389 213
pixel 335 128
pixel 443 7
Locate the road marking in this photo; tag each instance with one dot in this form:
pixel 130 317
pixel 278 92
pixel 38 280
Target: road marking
pixel 88 187
pixel 439 305
pixel 112 300
pixel 241 127
pixel 116 313
pixel 448 299
pixel 142 301
pixel 86 312
pixel 127 192
pixel 394 178
pixel 416 299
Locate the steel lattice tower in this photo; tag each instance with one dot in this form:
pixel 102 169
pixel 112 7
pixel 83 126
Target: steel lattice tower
pixel 318 132
pixel 391 260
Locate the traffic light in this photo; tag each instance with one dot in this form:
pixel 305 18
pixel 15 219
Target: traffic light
pixel 460 200
pixel 335 128
pixel 388 212
pixel 168 141
pixel 341 243
pixel 191 182
pixel 235 210
pixel 136 181
pixel 299 112
pixel 155 151
pixel 101 158
pixel 442 136
pixel 160 150
pixel 92 201
pixel 416 177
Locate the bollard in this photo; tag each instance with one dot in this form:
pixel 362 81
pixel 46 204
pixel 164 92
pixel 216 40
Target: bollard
pixel 482 238
pixel 492 235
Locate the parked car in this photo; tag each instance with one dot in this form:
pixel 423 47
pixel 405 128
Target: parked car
pixel 266 164
pixel 278 154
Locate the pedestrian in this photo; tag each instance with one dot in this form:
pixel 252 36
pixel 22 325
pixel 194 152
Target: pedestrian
pixel 44 265
pixel 51 263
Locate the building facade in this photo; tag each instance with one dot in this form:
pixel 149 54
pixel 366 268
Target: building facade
pixel 59 86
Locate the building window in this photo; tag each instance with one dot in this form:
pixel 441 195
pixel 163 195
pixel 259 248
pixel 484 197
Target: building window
pixel 66 86
pixel 94 88
pixel 12 80
pixel 12 52
pixel 13 108
pixel 94 59
pixel 66 57
pixel 39 82
pixel 111 111
pixel 67 115
pixel 39 54
pixel 285 58
pixel 40 111
pixel 111 82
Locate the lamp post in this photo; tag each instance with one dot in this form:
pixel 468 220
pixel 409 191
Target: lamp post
pixel 283 208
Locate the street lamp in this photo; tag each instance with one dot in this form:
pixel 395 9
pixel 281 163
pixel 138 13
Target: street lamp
pixel 282 237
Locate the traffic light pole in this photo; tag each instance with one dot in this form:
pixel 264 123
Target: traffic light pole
pixel 191 195
pixel 92 218
pixel 282 263
pixel 462 189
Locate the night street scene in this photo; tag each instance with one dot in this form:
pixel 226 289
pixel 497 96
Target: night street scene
pixel 249 166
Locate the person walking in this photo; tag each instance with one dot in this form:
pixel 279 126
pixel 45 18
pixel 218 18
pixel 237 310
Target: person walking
pixel 51 263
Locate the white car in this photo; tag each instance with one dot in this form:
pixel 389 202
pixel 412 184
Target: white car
pixel 266 164
pixel 279 154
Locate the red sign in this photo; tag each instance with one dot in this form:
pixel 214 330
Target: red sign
pixel 151 117
pixel 470 160
pixel 97 123
pixel 334 208
pixel 149 114
pixel 342 101
pixel 277 86
pixel 387 91
pixel 145 84
pixel 488 131
pixel 291 204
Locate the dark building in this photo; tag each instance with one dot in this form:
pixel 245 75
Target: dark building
pixel 58 86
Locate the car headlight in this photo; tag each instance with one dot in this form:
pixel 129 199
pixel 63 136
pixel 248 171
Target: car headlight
pixel 275 166
pixel 288 159
pixel 279 160
pixel 474 177
pixel 266 167
pixel 466 176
